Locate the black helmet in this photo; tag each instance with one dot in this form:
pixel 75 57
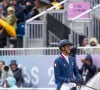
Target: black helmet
pixel 64 42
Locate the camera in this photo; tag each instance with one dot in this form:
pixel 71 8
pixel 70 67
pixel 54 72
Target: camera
pixel 6 68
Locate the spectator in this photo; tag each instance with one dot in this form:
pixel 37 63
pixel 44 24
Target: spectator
pixel 73 52
pixel 23 2
pixel 82 43
pixel 1 9
pixel 5 6
pixel 6 72
pixel 11 18
pixel 3 37
pixel 87 70
pixel 55 0
pixel 82 40
pixel 11 82
pixel 28 8
pixel 1 1
pixel 26 77
pixel 17 73
pixel 93 43
pixel 40 6
pixel 2 63
pixel 19 11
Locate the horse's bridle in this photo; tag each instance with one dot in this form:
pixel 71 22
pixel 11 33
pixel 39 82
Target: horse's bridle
pixel 90 87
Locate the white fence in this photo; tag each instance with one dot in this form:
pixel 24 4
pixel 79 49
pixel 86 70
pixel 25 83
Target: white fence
pixel 53 39
pixel 35 34
pixel 28 89
pixel 45 51
pixel 28 51
pixel 88 50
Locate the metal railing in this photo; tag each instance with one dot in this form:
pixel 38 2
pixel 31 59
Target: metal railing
pixel 45 51
pixel 28 51
pixel 28 89
pixel 96 28
pixel 60 15
pixel 36 31
pixel 53 39
pixel 35 34
pixel 88 50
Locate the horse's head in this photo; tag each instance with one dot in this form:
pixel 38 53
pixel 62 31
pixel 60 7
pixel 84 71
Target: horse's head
pixel 94 83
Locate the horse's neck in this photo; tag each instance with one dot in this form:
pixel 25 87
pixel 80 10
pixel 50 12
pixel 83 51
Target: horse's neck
pixel 95 81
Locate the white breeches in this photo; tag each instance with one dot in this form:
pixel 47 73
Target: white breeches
pixel 67 86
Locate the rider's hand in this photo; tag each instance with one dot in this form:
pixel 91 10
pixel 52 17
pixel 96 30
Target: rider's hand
pixel 71 80
pixel 80 81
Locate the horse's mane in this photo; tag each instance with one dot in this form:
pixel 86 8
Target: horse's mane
pixel 95 77
pixel 95 81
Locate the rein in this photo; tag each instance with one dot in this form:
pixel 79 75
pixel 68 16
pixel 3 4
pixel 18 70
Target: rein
pixel 90 87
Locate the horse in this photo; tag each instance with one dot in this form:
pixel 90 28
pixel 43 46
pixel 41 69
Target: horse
pixel 93 84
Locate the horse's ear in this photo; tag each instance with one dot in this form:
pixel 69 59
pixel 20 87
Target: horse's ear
pixel 74 88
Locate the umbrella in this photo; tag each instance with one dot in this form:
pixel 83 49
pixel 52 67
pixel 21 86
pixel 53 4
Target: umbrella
pixel 57 7
pixel 45 1
pixel 10 30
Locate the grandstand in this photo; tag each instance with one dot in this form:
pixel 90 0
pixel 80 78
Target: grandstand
pixel 37 31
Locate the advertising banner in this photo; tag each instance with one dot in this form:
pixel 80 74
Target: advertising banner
pixel 77 8
pixel 40 68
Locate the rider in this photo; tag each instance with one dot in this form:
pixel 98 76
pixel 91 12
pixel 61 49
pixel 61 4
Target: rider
pixel 65 66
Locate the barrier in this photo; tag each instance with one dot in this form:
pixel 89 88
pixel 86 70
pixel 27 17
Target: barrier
pixel 29 51
pixel 39 62
pixel 29 89
pixel 88 50
pixel 45 51
pixel 38 68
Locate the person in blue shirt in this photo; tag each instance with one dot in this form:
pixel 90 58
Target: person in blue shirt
pixel 11 83
pixel 65 68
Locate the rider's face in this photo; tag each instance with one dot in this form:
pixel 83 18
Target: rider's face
pixel 67 49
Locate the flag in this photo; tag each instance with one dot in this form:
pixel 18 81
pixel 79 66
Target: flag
pixel 56 65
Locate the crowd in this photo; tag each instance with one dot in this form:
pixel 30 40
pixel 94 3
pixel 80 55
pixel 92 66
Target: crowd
pixel 87 70
pixel 16 12
pixel 93 42
pixel 13 76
